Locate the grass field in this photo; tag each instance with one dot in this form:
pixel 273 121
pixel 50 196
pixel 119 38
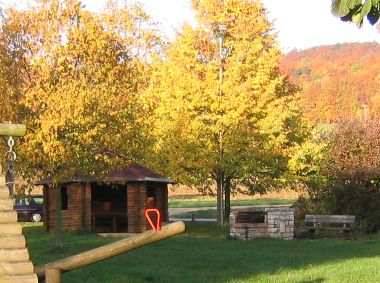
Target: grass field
pixel 208 213
pixel 204 254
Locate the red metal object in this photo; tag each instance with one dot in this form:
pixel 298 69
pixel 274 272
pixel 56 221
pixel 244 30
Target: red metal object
pixel 156 227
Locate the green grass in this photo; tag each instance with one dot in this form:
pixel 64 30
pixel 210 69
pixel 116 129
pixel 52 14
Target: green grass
pixel 201 202
pixel 208 213
pixel 204 254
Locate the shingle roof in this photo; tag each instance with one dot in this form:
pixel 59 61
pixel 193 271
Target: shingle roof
pixel 134 172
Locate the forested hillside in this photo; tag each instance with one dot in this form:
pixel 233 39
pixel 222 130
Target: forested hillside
pixel 339 82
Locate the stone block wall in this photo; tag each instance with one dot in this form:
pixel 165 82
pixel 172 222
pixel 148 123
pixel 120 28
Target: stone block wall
pixel 278 223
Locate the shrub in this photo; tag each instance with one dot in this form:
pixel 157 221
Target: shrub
pixel 349 177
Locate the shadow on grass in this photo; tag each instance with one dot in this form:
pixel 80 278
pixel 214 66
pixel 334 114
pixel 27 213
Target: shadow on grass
pixel 203 254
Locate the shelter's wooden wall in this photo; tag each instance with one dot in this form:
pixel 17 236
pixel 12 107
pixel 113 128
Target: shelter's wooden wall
pixel 162 200
pixel 46 215
pixel 78 214
pixel 136 207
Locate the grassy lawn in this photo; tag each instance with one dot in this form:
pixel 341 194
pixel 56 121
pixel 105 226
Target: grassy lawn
pixel 202 202
pixel 204 254
pixel 208 213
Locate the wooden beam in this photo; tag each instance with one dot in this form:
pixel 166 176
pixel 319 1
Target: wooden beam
pixel 53 275
pixel 12 242
pixel 112 249
pixel 10 229
pixel 15 130
pixel 16 268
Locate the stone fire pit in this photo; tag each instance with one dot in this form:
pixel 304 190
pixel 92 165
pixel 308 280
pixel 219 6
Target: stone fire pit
pixel 260 222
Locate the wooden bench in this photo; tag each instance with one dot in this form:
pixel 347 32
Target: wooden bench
pixel 343 223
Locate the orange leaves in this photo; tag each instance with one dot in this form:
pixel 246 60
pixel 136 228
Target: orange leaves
pixel 336 80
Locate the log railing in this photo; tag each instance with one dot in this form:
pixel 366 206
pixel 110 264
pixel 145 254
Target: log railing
pixel 52 271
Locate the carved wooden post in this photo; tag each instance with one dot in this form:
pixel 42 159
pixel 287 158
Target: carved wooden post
pixel 16 266
pixel 15 130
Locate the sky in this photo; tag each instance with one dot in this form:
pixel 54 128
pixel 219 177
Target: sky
pixel 300 23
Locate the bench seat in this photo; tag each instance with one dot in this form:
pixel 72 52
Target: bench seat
pixel 342 223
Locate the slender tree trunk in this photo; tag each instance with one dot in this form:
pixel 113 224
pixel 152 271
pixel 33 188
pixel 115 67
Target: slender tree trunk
pixel 58 218
pixel 227 198
pixel 219 198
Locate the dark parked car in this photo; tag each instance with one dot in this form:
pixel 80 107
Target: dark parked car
pixel 29 208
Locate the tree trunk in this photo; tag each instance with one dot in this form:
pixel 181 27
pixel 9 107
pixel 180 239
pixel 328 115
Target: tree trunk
pixel 58 218
pixel 227 198
pixel 219 197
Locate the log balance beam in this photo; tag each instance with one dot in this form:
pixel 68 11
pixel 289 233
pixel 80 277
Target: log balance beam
pixel 52 271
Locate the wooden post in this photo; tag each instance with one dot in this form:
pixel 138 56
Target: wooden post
pixel 112 249
pixel 53 275
pixel 8 129
pixel 14 257
pixel 15 130
pixel 2 178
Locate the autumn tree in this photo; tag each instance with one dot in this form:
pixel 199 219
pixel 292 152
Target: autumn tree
pixel 86 71
pixel 12 74
pixel 338 81
pixel 224 116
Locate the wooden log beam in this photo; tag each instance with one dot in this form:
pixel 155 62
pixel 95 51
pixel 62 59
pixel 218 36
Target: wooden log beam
pixel 10 228
pixel 4 191
pixel 30 278
pixel 6 204
pixel 8 216
pixel 53 275
pixel 13 255
pixel 16 268
pixel 12 241
pixel 15 130
pixel 112 249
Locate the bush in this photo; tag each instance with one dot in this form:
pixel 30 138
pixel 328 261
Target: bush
pixel 349 177
pixel 362 200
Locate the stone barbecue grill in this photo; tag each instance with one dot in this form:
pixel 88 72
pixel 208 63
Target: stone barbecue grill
pixel 259 222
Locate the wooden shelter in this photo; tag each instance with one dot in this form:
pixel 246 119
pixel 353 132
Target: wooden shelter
pixel 116 205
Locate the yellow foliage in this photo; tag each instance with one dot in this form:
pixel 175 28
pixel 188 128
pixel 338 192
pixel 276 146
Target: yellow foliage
pixel 241 128
pixel 85 73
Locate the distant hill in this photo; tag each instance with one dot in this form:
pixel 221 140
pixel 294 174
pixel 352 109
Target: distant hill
pixel 339 81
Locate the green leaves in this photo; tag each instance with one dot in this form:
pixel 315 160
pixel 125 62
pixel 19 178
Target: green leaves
pixel 341 8
pixel 356 10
